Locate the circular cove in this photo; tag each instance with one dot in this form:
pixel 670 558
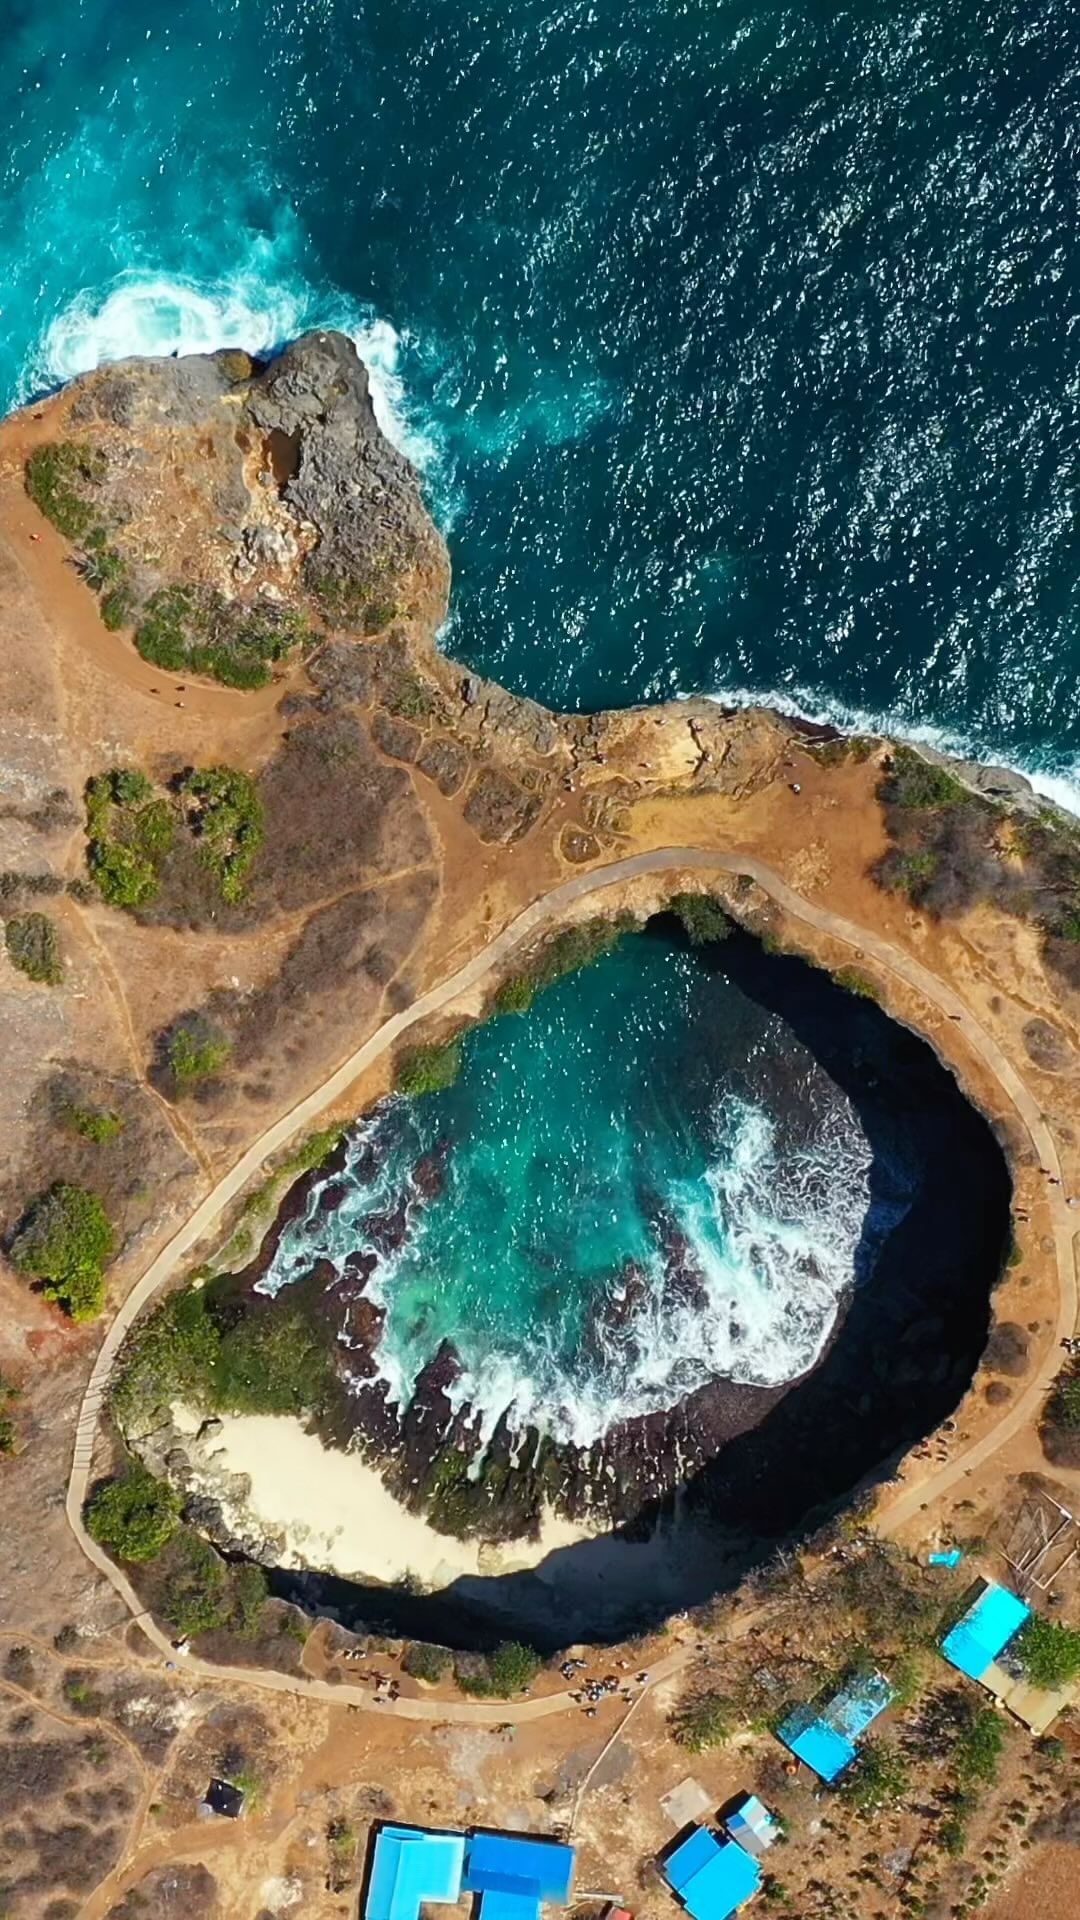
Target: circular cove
pixel 686 1253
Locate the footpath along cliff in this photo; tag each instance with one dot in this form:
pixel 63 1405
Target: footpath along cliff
pixel 259 810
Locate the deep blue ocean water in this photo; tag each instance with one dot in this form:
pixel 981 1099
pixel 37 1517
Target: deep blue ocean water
pixel 738 341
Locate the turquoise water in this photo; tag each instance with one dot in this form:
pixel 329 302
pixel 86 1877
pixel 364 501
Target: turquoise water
pixel 737 340
pixel 648 1181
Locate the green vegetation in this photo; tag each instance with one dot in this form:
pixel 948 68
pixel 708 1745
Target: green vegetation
pixel 34 947
pixel 57 480
pixel 249 1596
pixel 98 1124
pixel 878 1778
pixel 570 950
pixel 512 1668
pixel 195 1051
pixel 184 630
pixel 853 981
pixel 979 1747
pixel 134 1515
pixel 129 832
pixel 429 1069
pixel 910 781
pixel 426 1662
pixel 703 918
pixel 198 1347
pixel 313 1151
pixel 65 1239
pixel 705 1721
pixel 1049 1652
pixel 226 816
pixel 197 1596
pixel 9 1435
pixel 1065 1405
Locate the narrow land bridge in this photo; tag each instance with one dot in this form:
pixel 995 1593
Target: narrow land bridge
pixel 891 959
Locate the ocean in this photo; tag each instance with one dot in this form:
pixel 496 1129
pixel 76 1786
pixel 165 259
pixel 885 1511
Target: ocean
pixel 736 342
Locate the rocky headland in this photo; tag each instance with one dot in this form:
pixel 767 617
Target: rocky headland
pixel 214 563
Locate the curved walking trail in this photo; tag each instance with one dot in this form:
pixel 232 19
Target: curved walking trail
pixel 209 1211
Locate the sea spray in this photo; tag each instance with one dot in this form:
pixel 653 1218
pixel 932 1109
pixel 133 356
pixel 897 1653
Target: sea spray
pixel 616 1228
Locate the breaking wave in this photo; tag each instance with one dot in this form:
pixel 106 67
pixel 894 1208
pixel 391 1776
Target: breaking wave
pixel 595 1266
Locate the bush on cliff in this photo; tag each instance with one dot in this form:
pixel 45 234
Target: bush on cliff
pixel 66 1240
pixel 511 1669
pixel 271 1361
pixel 134 1515
pixel 567 952
pixel 187 630
pixel 59 479
pixel 426 1662
pixel 429 1069
pixel 703 918
pixel 34 947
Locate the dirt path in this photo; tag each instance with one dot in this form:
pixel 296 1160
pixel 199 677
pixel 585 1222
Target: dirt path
pixel 207 1214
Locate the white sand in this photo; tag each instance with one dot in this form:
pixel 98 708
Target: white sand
pixel 337 1515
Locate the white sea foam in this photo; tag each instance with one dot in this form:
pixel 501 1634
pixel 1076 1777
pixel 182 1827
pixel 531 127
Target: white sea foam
pixel 259 308
pixel 1060 783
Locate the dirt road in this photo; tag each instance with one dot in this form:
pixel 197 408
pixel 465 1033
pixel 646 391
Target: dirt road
pixel 302 1117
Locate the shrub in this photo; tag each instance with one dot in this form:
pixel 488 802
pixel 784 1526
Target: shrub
pixel 66 1240
pixel 426 1662
pixel 430 1069
pixel 93 1123
pixel 185 631
pixel 315 1149
pixel 34 947
pixel 878 1778
pixel 510 1669
pixel 703 918
pixel 195 1051
pixel 118 609
pixel 1064 1407
pixel 910 781
pixel 134 1515
pixel 271 1361
pixel 853 981
pixel 196 1598
pixel 979 1746
pixel 57 479
pixel 9 1437
pixel 516 995
pixel 227 818
pixel 249 1596
pixel 703 1722
pixel 567 952
pixel 129 832
pixel 171 1355
pixel 1049 1652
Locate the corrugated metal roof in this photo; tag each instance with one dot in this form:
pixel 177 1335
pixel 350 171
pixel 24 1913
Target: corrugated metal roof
pixel 984 1630
pixel 689 1858
pixel 410 1865
pixel 518 1863
pixel 721 1884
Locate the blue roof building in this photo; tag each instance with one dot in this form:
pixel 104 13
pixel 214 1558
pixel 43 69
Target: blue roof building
pixel 984 1630
pixel 711 1878
pixel 410 1865
pixel 824 1736
pixel 514 1872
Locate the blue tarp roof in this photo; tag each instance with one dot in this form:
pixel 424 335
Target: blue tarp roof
pixel 410 1865
pixel 818 1744
pixel 515 1863
pixel 712 1878
pixel 495 1905
pixel 984 1630
pixel 824 1736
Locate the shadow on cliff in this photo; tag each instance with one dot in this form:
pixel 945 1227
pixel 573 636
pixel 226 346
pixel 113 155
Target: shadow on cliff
pixel 900 1358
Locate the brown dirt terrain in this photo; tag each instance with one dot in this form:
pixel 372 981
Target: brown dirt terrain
pixel 411 812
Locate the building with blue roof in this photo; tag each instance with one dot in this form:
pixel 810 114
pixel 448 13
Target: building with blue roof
pixel 409 1866
pixel 514 1872
pixel 752 1825
pixel 824 1736
pixel 984 1631
pixel 711 1878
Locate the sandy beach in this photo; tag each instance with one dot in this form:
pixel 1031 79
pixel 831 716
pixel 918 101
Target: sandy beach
pixel 337 1515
